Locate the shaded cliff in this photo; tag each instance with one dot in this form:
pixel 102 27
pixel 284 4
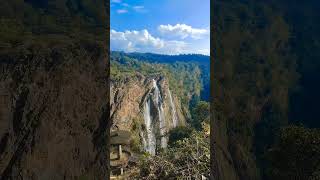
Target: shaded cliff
pixel 53 112
pixel 252 84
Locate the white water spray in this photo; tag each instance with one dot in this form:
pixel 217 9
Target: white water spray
pixel 162 122
pixel 150 144
pixel 173 110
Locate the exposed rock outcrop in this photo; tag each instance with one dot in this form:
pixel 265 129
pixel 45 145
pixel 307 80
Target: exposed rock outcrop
pixel 146 105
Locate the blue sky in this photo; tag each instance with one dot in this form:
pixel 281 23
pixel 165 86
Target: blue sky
pixel 160 26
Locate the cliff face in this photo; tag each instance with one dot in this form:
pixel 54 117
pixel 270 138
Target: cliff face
pixel 53 118
pixel 147 106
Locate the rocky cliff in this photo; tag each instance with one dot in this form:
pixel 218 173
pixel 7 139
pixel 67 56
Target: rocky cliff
pixel 147 107
pixel 53 115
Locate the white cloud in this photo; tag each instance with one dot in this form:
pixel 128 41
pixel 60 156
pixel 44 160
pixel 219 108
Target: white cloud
pixel 183 31
pixel 122 11
pixel 134 41
pixel 204 51
pixel 143 41
pixel 175 47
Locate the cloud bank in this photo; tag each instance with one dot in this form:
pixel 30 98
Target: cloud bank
pixel 183 31
pixel 143 41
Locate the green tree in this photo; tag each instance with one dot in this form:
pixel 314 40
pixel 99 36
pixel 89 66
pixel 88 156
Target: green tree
pixel 200 113
pixel 179 133
pixel 296 155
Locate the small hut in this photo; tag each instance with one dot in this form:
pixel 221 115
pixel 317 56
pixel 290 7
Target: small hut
pixel 120 153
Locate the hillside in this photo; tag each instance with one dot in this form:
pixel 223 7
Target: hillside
pixel 176 63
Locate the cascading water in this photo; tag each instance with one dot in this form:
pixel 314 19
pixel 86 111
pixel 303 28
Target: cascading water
pixel 150 144
pixel 173 110
pixel 164 140
pixel 162 123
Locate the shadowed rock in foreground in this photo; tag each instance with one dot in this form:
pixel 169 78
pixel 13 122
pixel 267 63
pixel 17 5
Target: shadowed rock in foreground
pixel 53 113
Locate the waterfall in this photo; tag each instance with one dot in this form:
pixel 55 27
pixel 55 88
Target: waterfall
pixel 162 122
pixel 150 142
pixel 150 145
pixel 173 109
pixel 162 128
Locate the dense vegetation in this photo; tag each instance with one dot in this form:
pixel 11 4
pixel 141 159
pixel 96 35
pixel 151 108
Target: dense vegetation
pixel 185 77
pixel 266 74
pixel 188 158
pixel 295 155
pixel 46 22
pixel 191 60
